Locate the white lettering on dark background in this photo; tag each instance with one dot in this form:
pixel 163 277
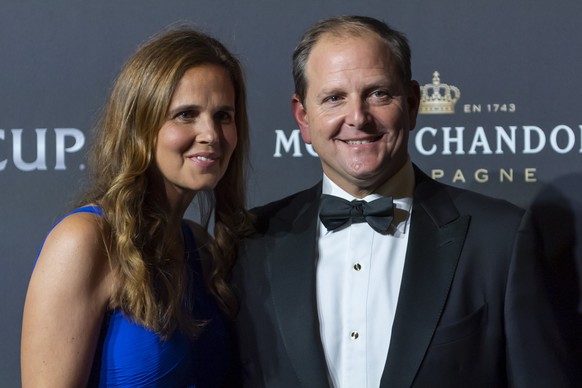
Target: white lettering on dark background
pixel 66 140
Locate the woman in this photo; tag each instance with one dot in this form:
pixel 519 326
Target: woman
pixel 124 291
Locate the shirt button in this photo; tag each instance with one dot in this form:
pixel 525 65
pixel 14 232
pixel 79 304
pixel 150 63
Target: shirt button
pixel 357 266
pixel 354 335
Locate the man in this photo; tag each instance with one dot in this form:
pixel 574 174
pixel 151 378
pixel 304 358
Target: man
pixel 442 289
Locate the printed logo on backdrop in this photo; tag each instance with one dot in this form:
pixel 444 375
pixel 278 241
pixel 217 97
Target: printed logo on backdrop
pixel 482 140
pixel 476 141
pixel 31 150
pixel 438 98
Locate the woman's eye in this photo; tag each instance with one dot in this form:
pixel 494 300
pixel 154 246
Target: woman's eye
pixel 224 117
pixel 186 115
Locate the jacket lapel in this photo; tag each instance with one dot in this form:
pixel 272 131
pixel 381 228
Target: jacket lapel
pixel 436 239
pixel 292 275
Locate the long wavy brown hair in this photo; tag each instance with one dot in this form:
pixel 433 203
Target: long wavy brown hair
pixel 152 287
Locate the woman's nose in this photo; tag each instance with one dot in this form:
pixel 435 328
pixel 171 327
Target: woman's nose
pixel 207 131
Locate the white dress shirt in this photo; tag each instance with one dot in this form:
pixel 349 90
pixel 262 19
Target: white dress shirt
pixel 358 281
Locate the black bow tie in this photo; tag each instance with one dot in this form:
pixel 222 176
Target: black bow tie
pixel 336 212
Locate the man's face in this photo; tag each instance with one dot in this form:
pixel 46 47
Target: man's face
pixel 357 113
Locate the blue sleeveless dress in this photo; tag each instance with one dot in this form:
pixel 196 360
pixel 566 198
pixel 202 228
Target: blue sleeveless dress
pixel 129 355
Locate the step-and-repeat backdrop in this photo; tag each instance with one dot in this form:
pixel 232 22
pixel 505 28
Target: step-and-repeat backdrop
pixel 510 126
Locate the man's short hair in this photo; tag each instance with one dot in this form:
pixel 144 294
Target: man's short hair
pixel 341 26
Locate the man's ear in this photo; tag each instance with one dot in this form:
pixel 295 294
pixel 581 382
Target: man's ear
pixel 413 102
pixel 301 118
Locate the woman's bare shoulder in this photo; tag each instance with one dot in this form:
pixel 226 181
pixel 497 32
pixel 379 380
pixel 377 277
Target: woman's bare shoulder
pixel 74 252
pixel 67 297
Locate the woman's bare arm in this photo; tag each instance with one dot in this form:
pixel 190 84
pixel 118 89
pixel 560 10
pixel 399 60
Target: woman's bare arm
pixel 65 303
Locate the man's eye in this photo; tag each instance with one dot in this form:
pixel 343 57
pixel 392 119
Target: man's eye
pixel 380 94
pixel 332 99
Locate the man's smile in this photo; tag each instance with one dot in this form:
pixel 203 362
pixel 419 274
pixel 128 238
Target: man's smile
pixel 367 140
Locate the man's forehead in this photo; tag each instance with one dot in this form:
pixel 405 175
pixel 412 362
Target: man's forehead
pixel 341 36
pixel 322 80
pixel 373 53
pixel 330 42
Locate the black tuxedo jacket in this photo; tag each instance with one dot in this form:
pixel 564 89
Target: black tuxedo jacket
pixel 472 309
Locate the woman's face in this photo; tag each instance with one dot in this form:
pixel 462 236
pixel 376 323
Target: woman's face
pixel 199 135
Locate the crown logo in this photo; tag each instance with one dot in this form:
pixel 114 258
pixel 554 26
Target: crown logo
pixel 438 98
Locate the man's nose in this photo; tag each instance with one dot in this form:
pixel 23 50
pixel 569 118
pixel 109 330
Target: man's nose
pixel 357 114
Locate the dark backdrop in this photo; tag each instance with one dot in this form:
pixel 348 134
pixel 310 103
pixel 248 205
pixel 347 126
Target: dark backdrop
pixel 516 130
